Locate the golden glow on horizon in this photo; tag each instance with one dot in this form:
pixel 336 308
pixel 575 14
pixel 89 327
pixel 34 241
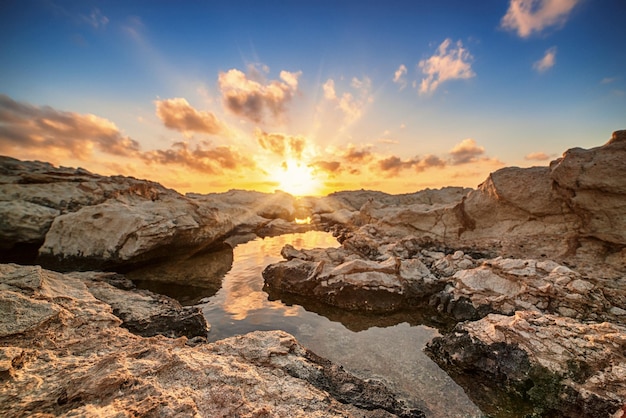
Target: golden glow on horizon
pixel 297 179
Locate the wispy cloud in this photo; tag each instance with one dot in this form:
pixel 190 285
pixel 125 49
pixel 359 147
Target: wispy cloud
pixel 352 105
pixel 547 61
pixel 528 16
pixel 451 62
pixel 280 144
pixel 537 156
pixel 95 19
pixel 252 97
pixel 399 77
pixel 179 115
pixel 25 126
pixel 609 80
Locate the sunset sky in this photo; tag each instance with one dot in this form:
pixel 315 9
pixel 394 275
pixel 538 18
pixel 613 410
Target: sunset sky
pixel 309 96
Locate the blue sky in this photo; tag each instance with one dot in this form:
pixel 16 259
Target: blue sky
pixel 309 97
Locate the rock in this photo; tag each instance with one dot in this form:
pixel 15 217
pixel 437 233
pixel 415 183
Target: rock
pixel 592 183
pixel 564 366
pixel 145 313
pixel 71 358
pixel 505 285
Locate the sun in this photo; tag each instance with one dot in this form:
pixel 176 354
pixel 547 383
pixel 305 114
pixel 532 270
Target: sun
pixel 297 179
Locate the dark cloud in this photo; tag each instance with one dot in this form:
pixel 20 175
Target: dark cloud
pixel 25 126
pixel 283 145
pixel 253 99
pixel 393 165
pixel 179 115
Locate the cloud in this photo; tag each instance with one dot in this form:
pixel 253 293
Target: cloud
pixel 95 19
pixel 351 105
pixel 609 80
pixel 327 166
pixel 537 156
pixel 179 115
pixel 205 160
pixel 353 155
pixel 449 63
pixel 23 126
pixel 253 98
pixel 547 62
pixel 466 151
pixel 283 145
pixel 528 16
pixel 393 165
pixel 398 76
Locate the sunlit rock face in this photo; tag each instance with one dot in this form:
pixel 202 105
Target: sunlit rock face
pixel 566 367
pixel 64 353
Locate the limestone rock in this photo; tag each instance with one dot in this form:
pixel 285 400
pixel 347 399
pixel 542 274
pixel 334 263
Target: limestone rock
pixel 80 362
pixel 504 285
pixel 560 363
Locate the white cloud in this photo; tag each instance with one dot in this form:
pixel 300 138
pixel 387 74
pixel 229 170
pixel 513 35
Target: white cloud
pixel 449 63
pixel 352 105
pixel 528 16
pixel 398 76
pixel 547 62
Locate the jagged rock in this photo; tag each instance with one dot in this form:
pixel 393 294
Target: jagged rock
pixel 71 358
pixel 339 278
pixel 565 367
pixel 145 313
pixel 504 285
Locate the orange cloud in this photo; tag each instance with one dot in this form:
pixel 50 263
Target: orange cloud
pixel 283 145
pixel 179 115
pixel 537 156
pixel 255 100
pixel 466 151
pixel 23 126
pixel 205 160
pixel 327 166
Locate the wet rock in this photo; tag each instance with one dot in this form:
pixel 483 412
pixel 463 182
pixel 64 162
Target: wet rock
pixel 565 367
pixel 145 313
pixel 72 358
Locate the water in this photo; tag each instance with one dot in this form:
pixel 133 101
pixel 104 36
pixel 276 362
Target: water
pixel 386 348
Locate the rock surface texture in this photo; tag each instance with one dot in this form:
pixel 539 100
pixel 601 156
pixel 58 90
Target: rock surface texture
pixel 63 353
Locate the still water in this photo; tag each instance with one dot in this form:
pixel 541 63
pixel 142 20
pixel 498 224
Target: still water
pixel 386 348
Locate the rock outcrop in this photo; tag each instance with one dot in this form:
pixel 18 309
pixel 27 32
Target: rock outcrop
pixel 63 353
pixel 563 366
pixel 72 219
pixel 534 261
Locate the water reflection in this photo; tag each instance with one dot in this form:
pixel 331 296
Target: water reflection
pixel 388 348
pixel 186 279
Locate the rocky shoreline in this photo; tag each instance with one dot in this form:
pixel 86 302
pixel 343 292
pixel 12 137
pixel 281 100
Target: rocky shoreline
pixel 530 266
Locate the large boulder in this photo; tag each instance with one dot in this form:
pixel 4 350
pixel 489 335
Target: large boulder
pixel 63 353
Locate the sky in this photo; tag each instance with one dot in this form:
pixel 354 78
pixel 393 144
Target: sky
pixel 309 97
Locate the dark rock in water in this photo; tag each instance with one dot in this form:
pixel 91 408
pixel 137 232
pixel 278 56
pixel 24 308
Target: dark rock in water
pixel 142 312
pixel 187 321
pixel 563 367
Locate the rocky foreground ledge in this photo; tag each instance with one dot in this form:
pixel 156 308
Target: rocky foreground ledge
pixel 66 350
